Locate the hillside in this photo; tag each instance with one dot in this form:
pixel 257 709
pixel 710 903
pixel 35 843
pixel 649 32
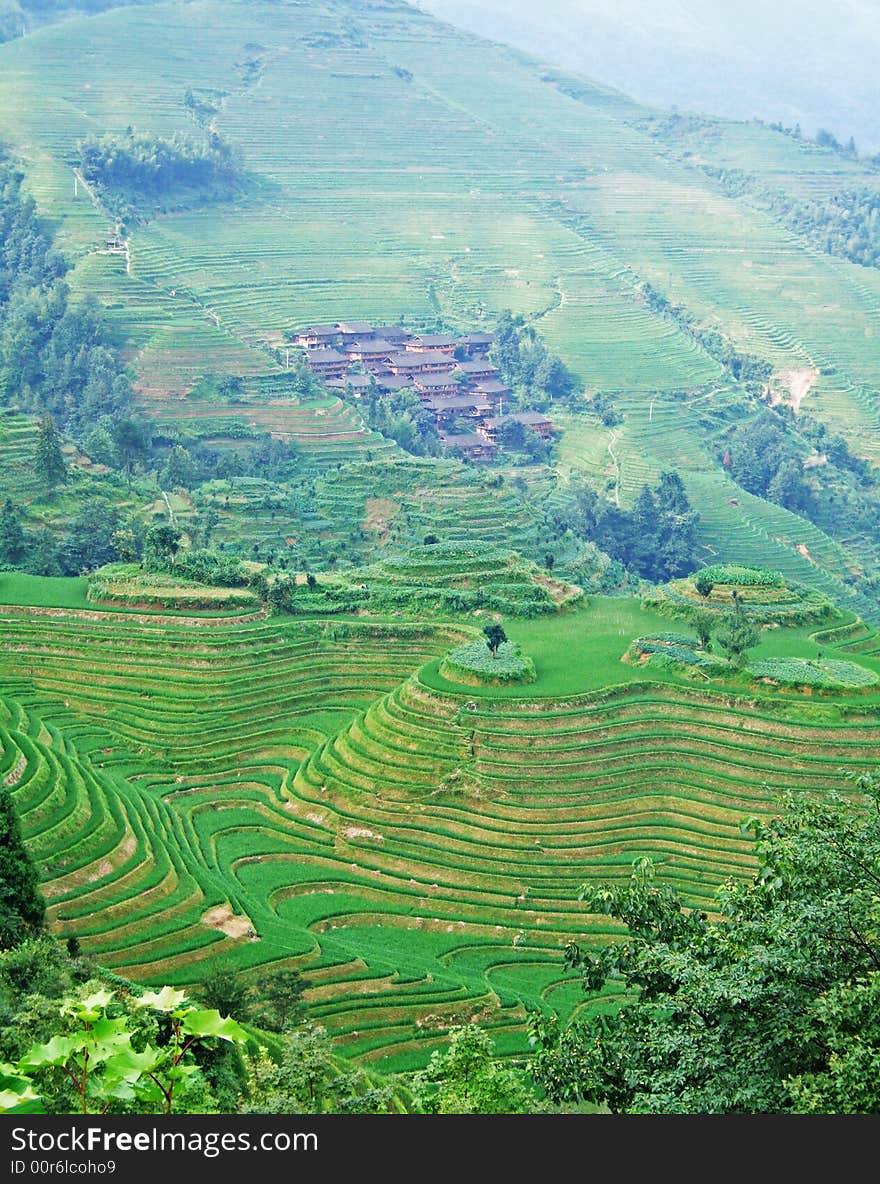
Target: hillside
pixel 788 62
pixel 286 769
pixel 480 181
pixel 207 786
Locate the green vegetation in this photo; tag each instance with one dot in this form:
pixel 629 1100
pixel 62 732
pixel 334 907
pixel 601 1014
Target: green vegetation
pixel 757 593
pixel 138 173
pixel 260 718
pixel 831 674
pixel 126 584
pixel 475 662
pixel 764 1007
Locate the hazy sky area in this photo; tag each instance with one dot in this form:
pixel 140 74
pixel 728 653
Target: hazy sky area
pixel 778 60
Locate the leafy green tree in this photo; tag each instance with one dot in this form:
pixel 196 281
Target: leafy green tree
pixel 737 637
pixel 549 560
pixel 276 999
pixel 89 541
pixel 12 542
pixel 50 468
pixel 770 1008
pixel 179 471
pixel 161 544
pixel 132 441
pixel 495 637
pixel 21 902
pixel 703 622
pixel 466 1078
pixel 224 991
pixel 42 557
pixel 703 584
pixel 307 1078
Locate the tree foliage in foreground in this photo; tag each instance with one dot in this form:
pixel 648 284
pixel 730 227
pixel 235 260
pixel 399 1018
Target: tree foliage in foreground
pixel 772 1008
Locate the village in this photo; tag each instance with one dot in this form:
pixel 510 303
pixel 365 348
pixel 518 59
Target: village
pixel 452 376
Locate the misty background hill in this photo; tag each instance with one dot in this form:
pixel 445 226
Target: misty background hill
pixel 789 60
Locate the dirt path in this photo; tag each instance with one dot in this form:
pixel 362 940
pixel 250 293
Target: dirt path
pixel 613 456
pixel 799 383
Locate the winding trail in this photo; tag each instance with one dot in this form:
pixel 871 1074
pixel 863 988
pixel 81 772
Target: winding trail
pixel 612 441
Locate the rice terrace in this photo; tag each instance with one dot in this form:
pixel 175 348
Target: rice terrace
pixel 432 486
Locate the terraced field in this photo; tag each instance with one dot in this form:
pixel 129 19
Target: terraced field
pixel 219 789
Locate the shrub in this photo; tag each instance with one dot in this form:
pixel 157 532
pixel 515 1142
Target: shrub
pixel 472 663
pixel 830 675
pixel 746 577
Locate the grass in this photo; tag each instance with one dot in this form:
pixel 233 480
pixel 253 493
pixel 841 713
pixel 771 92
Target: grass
pixel 413 846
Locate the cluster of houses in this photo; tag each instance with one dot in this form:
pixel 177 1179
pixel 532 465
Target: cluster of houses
pixel 451 375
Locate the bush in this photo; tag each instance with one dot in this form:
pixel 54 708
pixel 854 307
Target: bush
pixel 745 577
pixel 473 664
pixel 828 675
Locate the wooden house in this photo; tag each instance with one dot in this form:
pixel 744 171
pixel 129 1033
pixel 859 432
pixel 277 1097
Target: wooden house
pixel 316 337
pixel 535 420
pixel 425 362
pixel 478 370
pixel 493 388
pixel 443 342
pixel 394 333
pixel 446 411
pixel 475 343
pixel 469 444
pixel 354 331
pixel 437 384
pixel 392 383
pixel 327 363
pixel 359 383
pixel 371 352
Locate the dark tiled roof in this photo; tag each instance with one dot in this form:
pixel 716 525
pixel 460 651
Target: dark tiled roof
pixel 416 358
pixel 325 355
pixel 371 347
pixel 477 339
pixel 393 332
pixel 442 379
pixel 492 386
pixel 431 340
pixel 476 367
pixel 320 330
pixel 395 382
pixel 354 327
pixel 468 440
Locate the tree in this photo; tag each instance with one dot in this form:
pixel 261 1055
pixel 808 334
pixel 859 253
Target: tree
pixel 549 560
pixel 277 1002
pixel 737 637
pixel 224 991
pixel 703 584
pixel 703 622
pixel 772 1008
pixel 308 1079
pixel 132 441
pixel 21 902
pixel 12 544
pixel 495 636
pixel 161 544
pixel 466 1078
pixel 179 471
pixel 49 465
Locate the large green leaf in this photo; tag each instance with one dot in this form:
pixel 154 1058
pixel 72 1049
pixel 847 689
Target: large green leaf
pixel 209 1022
pixel 167 999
